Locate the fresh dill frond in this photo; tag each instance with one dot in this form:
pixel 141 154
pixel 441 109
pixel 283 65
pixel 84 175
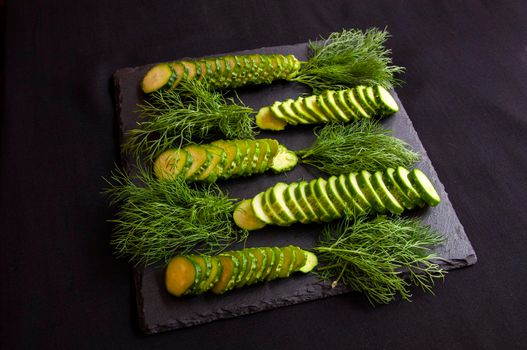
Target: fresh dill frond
pixel 192 112
pixel 349 58
pixel 351 147
pixel 158 219
pixel 381 258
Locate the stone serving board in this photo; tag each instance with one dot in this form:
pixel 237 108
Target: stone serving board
pixel 158 311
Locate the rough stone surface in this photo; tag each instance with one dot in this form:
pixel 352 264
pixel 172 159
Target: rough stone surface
pixel 159 312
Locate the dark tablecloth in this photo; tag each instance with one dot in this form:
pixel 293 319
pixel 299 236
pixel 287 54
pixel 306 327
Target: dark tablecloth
pixel 465 90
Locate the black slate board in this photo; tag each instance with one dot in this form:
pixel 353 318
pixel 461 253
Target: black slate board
pixel 158 311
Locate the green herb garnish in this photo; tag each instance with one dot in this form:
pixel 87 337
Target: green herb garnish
pixel 374 257
pixel 171 118
pixel 158 219
pixel 363 145
pixel 349 58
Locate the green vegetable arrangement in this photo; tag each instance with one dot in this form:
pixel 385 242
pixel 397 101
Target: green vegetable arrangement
pixel 344 59
pixel 338 148
pixel 173 212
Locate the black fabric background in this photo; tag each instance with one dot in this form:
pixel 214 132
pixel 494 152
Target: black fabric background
pixel 465 91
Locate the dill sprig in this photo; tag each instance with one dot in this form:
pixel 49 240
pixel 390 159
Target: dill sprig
pixel 364 145
pixel 158 219
pixel 381 258
pixel 191 112
pixel 349 58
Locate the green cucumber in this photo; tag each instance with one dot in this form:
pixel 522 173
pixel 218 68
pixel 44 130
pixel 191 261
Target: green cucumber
pixel 424 187
pixel 364 181
pixel 229 272
pixel 401 177
pixel 172 163
pixel 335 197
pixel 386 101
pixel 396 190
pixel 318 207
pixel 250 270
pixel 197 277
pixel 301 197
pixel 279 204
pixel 200 159
pixel 387 198
pixel 284 160
pixel 257 205
pixel 323 197
pixel 277 265
pixel 357 105
pixel 269 209
pixel 360 95
pixel 243 263
pixel 290 197
pixel 340 115
pixel 342 186
pixel 358 193
pixel 215 273
pixel 271 259
pixel 292 117
pixel 278 113
pixel 313 108
pixel 310 263
pixel 287 265
pixel 325 109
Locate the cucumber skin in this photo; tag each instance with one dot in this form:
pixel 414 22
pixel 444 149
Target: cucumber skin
pixel 269 270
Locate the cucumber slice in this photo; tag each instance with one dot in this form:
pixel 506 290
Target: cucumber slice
pixel 268 208
pixel 370 96
pixel 199 158
pixel 263 157
pixel 261 264
pixel 160 76
pixel 277 266
pixel 386 100
pixel 334 195
pixel 171 163
pixel 293 118
pixel 271 259
pixel 301 197
pixel 388 199
pixel 215 273
pixel 197 277
pixel 279 114
pixel 190 70
pixel 250 270
pixel 364 181
pixel 247 165
pixel 323 198
pixel 287 265
pixel 401 177
pixel 311 262
pixel 233 156
pixel 180 275
pixel 205 266
pixel 326 111
pixel 257 205
pixel 245 217
pixel 284 160
pixel 313 109
pixel 343 188
pixel 266 120
pixel 300 258
pixel 242 259
pixel 357 193
pixel 346 106
pixel 278 203
pixel 360 95
pixel 354 101
pixel 216 164
pixel 229 272
pixel 424 187
pixel 394 188
pixel 329 98
pixel 318 207
pixel 294 206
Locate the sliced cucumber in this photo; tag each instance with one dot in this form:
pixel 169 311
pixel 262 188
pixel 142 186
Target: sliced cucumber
pixel 364 181
pixel 266 120
pixel 334 195
pixel 250 270
pixel 257 205
pixel 200 159
pixel 315 202
pixel 401 177
pixel 360 95
pixel 284 160
pixel 357 193
pixel 301 197
pixel 356 102
pixel 245 217
pixel 396 190
pixel 268 207
pixel 290 198
pixel 215 273
pixel 342 186
pixel 310 263
pixel 424 187
pixel 323 198
pixel 326 110
pixel 314 109
pixel 279 204
pixel 388 199
pixel 180 275
pixel 277 265
pixel 172 163
pixel 197 277
pixel 387 102
pixel 287 265
pixel 329 98
pixel 229 272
